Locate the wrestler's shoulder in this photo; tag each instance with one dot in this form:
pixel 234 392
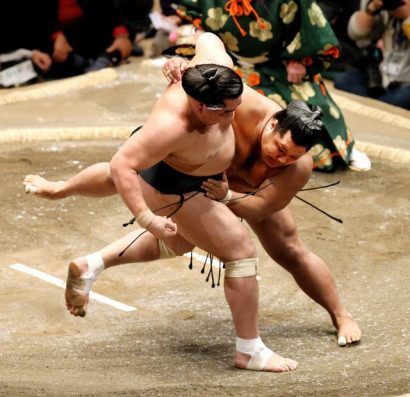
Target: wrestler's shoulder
pixel 296 173
pixel 169 110
pixel 167 126
pixel 301 168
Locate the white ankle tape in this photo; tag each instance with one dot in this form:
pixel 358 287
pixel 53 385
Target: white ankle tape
pixel 95 266
pixel 249 346
pixel 260 354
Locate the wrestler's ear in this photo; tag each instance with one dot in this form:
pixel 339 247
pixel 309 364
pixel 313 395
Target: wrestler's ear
pixel 272 124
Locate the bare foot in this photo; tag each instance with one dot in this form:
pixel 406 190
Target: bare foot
pixel 348 331
pixel 82 272
pixel 76 293
pixel 275 363
pixel 42 187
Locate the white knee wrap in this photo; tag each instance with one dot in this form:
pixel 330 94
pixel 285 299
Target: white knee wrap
pixel 165 251
pixel 242 268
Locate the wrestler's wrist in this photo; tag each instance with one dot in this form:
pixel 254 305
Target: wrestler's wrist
pixel 145 218
pixel 228 196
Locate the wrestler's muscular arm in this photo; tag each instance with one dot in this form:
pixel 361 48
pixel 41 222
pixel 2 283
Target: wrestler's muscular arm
pixel 209 48
pixel 279 191
pixel 153 143
pixel 275 194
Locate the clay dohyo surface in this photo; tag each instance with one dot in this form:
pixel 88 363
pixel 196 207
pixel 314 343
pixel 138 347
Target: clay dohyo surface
pixel 180 340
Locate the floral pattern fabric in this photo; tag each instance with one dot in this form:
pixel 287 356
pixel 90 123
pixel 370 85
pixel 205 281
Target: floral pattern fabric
pixel 262 36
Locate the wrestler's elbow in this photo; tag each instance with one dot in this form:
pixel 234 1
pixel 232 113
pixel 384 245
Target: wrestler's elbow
pixel 260 214
pixel 256 216
pixel 115 165
pixel 247 213
pixel 118 166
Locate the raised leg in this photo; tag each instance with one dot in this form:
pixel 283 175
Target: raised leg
pixel 136 247
pixel 93 181
pixel 83 271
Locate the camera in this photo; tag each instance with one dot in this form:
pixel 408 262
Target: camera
pixel 391 5
pixel 370 61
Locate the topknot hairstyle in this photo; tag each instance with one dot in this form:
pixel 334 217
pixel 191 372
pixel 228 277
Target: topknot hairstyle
pixel 211 84
pixel 304 121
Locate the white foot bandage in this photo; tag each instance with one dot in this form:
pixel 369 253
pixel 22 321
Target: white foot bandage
pixel 260 354
pixel 242 268
pixel 78 285
pixel 342 341
pixel 95 267
pixel 83 283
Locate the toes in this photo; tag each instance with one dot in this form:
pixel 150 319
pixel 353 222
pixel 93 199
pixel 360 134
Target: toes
pixel 355 339
pixel 29 179
pixel 291 364
pixel 288 365
pixel 284 365
pixel 348 340
pixel 78 311
pixel 30 189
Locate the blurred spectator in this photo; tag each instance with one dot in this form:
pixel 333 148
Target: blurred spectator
pixel 167 24
pixel 25 28
pixel 280 47
pixel 19 67
pixel 387 73
pixel 135 14
pixel 89 35
pixel 338 13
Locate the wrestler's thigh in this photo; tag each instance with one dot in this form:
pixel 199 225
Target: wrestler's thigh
pixel 277 232
pixel 160 204
pixel 212 226
pixel 165 205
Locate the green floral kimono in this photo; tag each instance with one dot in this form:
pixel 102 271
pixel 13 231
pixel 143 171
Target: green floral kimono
pixel 262 36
